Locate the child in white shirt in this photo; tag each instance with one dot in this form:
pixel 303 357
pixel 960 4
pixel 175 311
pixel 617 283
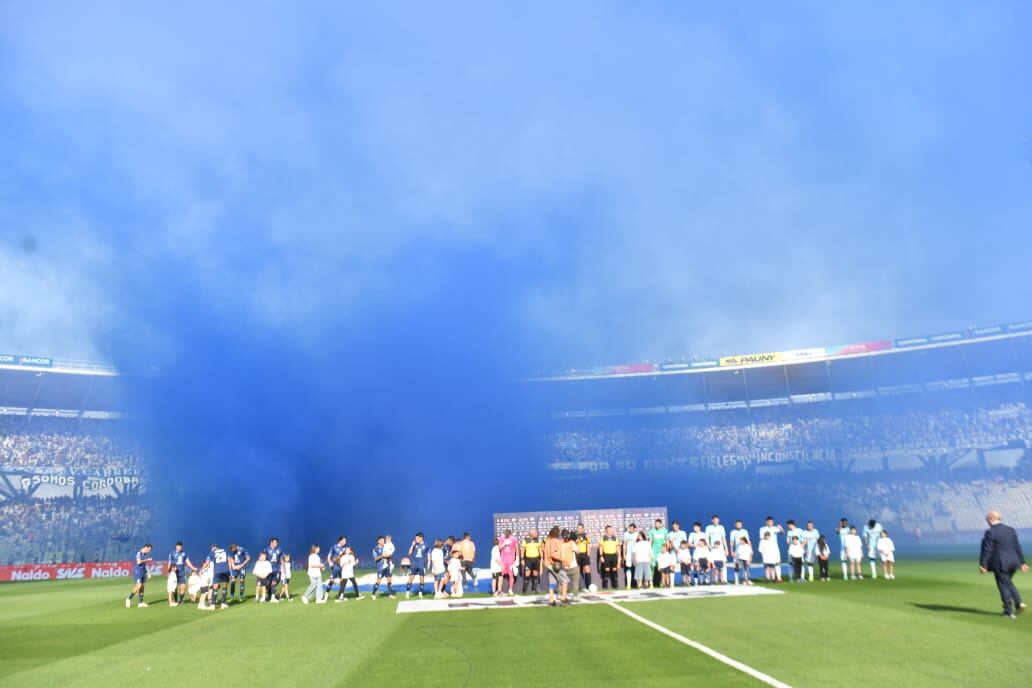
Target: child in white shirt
pixel 665 562
pixel 170 587
pixel 887 551
pixel 770 554
pixel 285 578
pixel 496 569
pixel 718 560
pixel 701 571
pixel 262 571
pixel 455 575
pixel 743 559
pixel 854 553
pixel 388 552
pixel 207 574
pixel 795 555
pixel 684 557
pixel 437 568
pixel 347 571
pixel 193 585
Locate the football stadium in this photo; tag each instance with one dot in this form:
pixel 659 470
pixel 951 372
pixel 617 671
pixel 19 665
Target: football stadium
pixel 312 320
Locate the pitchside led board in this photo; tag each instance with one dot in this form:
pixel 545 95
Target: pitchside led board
pixel 594 520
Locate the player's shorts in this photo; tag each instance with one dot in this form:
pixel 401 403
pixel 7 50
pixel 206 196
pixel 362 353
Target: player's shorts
pixel 273 578
pixel 842 555
pixel 141 576
pixel 417 570
pixel 558 576
pixel 583 560
pixel 609 561
pixel 181 576
pixel 239 573
pixel 221 577
pixel 533 565
pixel 335 572
pixel 872 554
pixel 384 572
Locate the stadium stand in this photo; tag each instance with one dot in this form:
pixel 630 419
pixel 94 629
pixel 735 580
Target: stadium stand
pixel 71 491
pixel 738 437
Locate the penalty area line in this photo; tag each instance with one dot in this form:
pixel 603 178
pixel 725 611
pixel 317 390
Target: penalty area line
pixel 733 663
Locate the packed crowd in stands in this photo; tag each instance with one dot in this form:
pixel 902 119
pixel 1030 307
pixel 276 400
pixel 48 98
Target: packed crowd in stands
pixel 63 529
pixel 66 443
pixel 802 428
pixel 68 528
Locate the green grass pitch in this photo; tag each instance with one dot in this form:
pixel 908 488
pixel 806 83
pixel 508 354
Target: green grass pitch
pixel 937 625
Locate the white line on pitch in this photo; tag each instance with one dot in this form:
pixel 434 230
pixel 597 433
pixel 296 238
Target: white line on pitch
pixel 733 663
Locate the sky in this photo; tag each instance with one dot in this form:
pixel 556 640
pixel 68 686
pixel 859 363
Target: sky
pixel 327 212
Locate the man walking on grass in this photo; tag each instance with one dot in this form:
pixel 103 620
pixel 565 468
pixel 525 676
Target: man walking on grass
pixel 1001 554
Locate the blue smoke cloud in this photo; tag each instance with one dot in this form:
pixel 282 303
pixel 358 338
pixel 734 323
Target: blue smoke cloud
pixel 340 235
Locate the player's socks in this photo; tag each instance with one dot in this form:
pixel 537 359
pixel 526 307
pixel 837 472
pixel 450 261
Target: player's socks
pixel 139 597
pixel 587 580
pixel 874 570
pixel 845 571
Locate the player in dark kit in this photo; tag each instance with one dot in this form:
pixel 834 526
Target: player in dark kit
pixel 219 561
pixel 143 557
pixel 239 560
pixel 383 568
pixel 178 562
pixel 333 562
pixel 417 553
pixel 273 553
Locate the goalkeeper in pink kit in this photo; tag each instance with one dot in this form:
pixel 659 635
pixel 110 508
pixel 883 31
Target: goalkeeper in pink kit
pixel 508 547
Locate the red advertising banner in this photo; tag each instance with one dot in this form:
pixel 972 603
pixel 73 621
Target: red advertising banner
pixel 106 569
pixel 866 347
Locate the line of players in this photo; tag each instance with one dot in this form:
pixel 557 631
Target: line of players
pixel 646 558
pixel 703 556
pixel 221 577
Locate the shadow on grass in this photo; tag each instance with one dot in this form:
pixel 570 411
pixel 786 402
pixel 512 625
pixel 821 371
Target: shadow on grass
pixel 949 608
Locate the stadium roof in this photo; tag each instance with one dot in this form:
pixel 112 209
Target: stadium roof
pixel 796 356
pixel 876 369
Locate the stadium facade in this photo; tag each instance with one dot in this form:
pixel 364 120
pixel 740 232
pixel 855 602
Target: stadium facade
pixel 923 433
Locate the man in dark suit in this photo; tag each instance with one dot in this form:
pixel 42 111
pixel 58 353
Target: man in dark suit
pixel 1001 554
